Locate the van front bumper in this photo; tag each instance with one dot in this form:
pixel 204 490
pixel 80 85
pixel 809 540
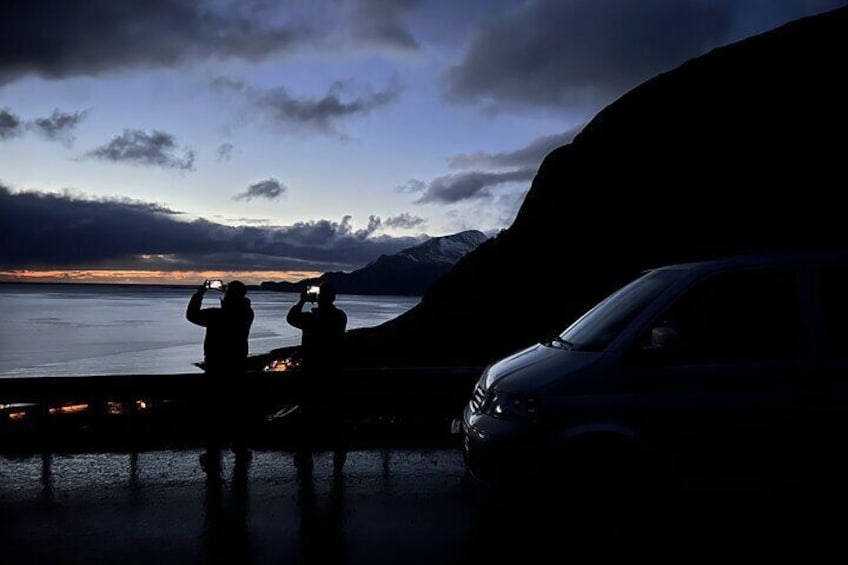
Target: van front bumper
pixel 499 451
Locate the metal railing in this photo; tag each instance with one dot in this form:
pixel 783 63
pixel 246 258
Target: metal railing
pixel 136 412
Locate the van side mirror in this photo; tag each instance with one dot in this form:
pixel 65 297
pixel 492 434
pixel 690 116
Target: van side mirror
pixel 663 339
pixel 663 347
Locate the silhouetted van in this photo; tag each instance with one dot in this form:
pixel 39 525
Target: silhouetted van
pixel 734 368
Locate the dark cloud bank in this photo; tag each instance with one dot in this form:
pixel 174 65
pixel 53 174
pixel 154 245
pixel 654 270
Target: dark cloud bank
pixel 381 23
pixel 61 38
pixel 45 230
pixel 582 53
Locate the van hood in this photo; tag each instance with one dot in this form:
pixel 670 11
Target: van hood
pixel 536 367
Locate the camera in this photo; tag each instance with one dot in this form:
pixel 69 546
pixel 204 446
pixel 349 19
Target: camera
pixel 216 284
pixel 312 293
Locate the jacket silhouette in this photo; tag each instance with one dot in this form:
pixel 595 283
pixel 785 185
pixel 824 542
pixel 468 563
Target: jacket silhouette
pixel 321 359
pixel 227 328
pixel 323 333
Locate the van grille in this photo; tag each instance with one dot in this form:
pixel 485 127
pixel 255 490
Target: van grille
pixel 478 398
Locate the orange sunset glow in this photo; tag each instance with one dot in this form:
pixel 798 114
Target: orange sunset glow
pixel 150 277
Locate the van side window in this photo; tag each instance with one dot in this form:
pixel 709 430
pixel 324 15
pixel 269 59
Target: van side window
pixel 834 294
pixel 741 316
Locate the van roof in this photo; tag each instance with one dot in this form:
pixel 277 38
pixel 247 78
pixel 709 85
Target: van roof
pixel 761 260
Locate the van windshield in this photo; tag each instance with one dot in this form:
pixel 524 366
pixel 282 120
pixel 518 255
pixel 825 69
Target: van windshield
pixel 599 326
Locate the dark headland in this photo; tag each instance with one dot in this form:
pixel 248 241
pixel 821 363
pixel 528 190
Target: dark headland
pixel 737 151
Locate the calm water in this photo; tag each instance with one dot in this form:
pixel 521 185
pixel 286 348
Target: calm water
pixel 59 330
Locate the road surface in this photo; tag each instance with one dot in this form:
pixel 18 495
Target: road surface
pixel 392 506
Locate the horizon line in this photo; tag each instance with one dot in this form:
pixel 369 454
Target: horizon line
pixel 151 277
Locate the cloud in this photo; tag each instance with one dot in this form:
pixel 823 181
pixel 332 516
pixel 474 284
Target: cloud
pixel 506 205
pixel 59 126
pixel 584 53
pixel 342 100
pixel 471 191
pixel 476 204
pixel 412 186
pixel 450 189
pixel 63 230
pixel 62 38
pixel 270 188
pixel 313 232
pixel 490 215
pixel 531 155
pixel 487 172
pixel 155 149
pixel 225 152
pixel 404 221
pixel 380 23
pixel 374 224
pixel 260 221
pixel 10 125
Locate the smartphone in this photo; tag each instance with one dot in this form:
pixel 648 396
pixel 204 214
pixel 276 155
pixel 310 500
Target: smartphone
pixel 312 292
pixel 215 284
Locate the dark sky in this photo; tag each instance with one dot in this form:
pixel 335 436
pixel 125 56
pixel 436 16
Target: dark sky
pixel 253 135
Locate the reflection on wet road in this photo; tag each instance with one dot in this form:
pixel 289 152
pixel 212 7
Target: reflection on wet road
pixel 414 506
pixel 192 506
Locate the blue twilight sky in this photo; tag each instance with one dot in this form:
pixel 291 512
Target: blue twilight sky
pixel 255 137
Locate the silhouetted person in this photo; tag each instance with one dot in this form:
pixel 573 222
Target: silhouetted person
pixel 322 346
pixel 225 361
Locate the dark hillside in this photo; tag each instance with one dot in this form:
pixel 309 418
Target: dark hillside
pixel 741 150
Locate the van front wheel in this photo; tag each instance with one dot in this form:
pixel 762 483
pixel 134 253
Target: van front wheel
pixel 610 471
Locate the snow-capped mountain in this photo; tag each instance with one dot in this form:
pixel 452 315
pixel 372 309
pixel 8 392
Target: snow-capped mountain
pixel 406 273
pixel 447 249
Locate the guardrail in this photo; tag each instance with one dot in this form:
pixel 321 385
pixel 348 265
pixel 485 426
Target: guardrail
pixel 444 381
pixel 132 412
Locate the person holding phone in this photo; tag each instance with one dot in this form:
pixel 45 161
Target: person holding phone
pixel 227 327
pixel 225 351
pixel 322 345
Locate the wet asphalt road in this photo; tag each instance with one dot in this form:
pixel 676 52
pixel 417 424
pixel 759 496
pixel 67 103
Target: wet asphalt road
pixel 392 506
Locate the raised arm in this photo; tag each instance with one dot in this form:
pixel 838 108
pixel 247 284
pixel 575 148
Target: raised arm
pixel 295 317
pixel 193 313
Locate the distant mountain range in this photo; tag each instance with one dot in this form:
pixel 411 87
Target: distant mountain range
pixel 406 273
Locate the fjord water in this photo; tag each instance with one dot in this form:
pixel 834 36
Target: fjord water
pixel 65 330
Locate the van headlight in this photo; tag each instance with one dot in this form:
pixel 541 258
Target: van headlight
pixel 510 406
